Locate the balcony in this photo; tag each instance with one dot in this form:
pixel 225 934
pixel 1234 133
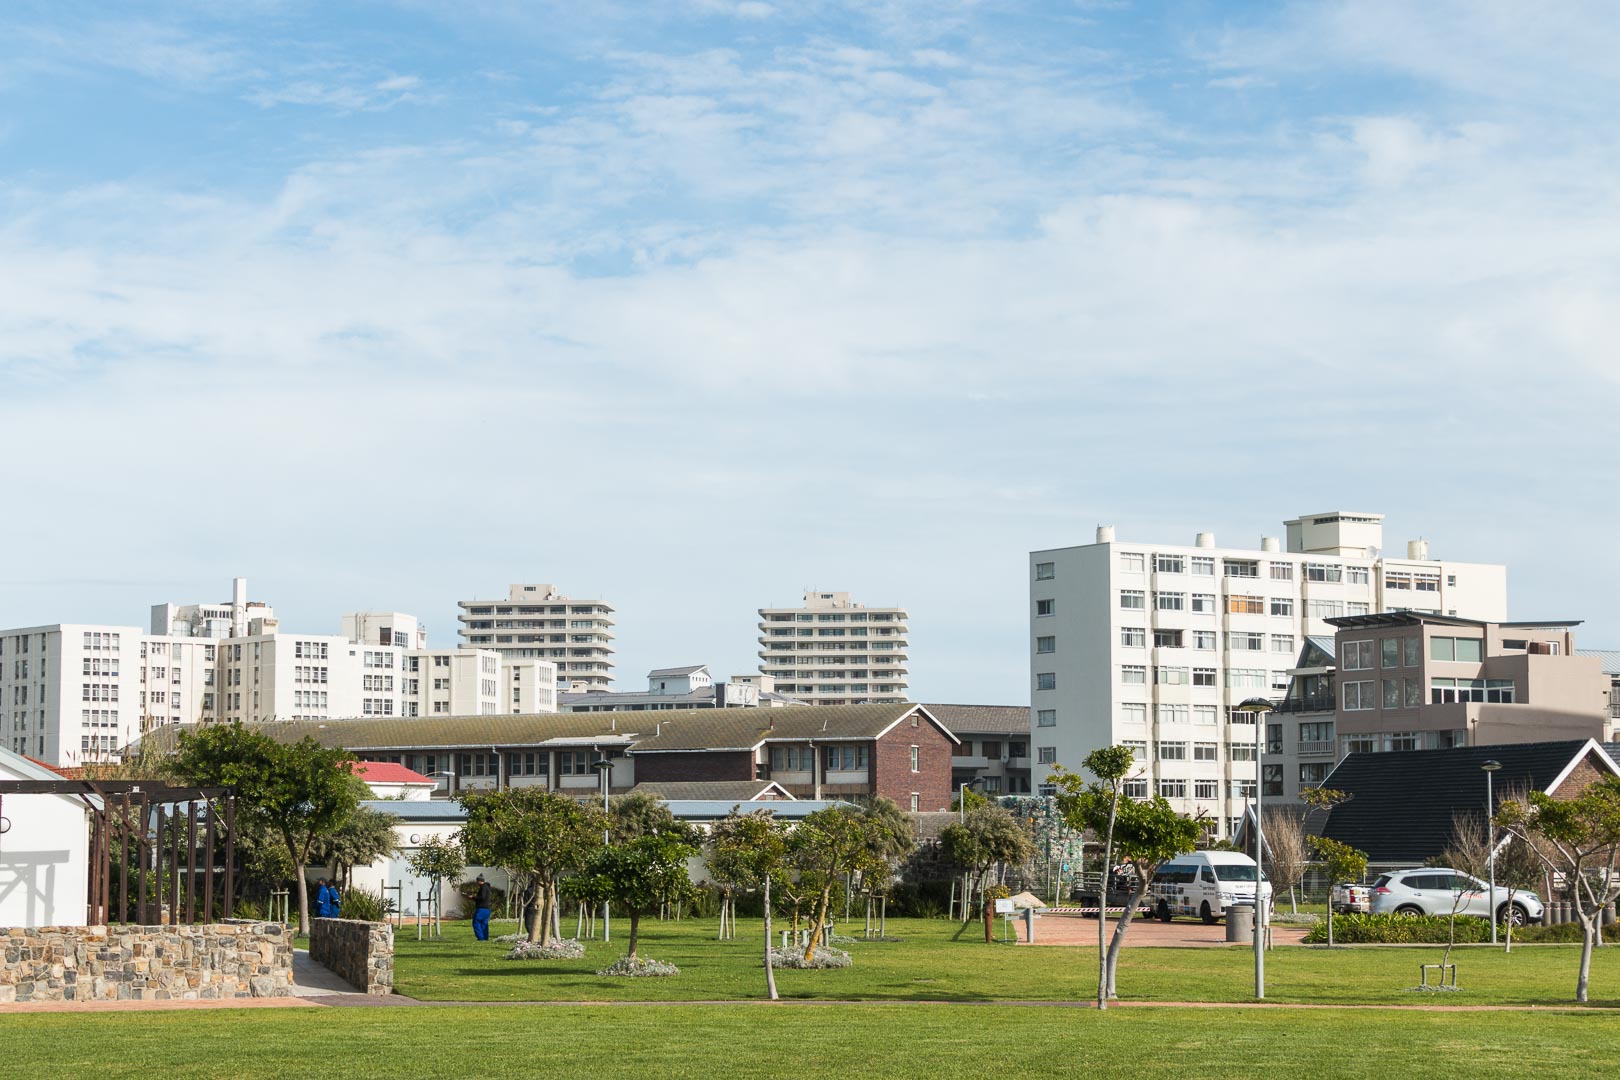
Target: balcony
pixel 1308 703
pixel 1315 747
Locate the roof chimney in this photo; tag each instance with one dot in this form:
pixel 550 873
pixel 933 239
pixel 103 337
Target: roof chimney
pixel 1270 543
pixel 1105 534
pixel 1417 550
pixel 1205 540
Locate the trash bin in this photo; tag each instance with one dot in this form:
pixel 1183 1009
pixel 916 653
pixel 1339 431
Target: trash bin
pixel 1240 923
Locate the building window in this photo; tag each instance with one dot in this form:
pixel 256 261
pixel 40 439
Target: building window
pixel 1046 718
pixel 1170 676
pixel 1249 568
pixel 1312 773
pixel 1170 601
pixel 1134 789
pixel 1203 603
pixel 1360 744
pixel 1203 565
pixel 1045 571
pixel 1132 562
pixel 1206 789
pixel 1323 572
pixel 1245 642
pixel 1390 652
pixel 1205 639
pixel 915 802
pixel 1169 564
pixel 1046 644
pixel 1017 748
pixel 1133 712
pixel 846 758
pixel 1359 696
pixel 1045 607
pixel 1206 751
pixel 1173 789
pixel 1246 678
pixel 1356 656
pixel 1282 605
pixel 1133 674
pixel 1205 714
pixel 1046 680
pixel 1203 676
pixel 1172 751
pixel 1392 693
pixel 1171 714
pixel 1133 637
pixel 1316 731
pixel 1137 747
pixel 1132 599
pixel 1401 740
pixel 1245 605
pixel 1046 755
pixel 1167 639
pixel 1357 575
pixel 1281 571
pixel 1273 777
pixel 916 753
pixel 1460 649
pixel 1282 643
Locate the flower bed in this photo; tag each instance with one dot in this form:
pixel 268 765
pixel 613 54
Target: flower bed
pixel 824 958
pixel 566 949
pixel 639 967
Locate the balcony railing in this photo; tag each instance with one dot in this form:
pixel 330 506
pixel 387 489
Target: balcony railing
pixel 1316 746
pixel 1308 703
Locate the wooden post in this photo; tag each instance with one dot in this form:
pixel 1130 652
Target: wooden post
pixel 141 851
pixel 123 862
pixel 208 865
pixel 230 852
pixel 95 868
pixel 174 866
pixel 191 861
pixel 106 859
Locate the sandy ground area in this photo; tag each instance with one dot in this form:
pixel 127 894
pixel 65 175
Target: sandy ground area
pixel 1079 930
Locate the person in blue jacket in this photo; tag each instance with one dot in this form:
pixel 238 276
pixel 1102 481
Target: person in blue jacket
pixel 325 900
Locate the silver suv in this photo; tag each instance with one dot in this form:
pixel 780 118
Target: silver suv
pixel 1433 890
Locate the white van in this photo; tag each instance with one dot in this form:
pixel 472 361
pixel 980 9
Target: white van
pixel 1205 884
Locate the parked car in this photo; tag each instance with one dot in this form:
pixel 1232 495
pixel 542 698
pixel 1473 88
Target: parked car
pixel 1205 884
pixel 1348 898
pixel 1434 890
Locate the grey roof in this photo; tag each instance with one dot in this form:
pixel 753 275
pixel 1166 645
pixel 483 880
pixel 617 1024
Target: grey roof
pixel 690 699
pixel 671 672
pixel 1326 644
pixel 732 790
pixel 1416 618
pixel 448 811
pixel 418 809
pixel 994 719
pixel 744 729
pixel 1609 657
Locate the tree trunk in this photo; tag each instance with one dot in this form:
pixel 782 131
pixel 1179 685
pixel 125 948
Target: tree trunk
pixel 1330 918
pixel 883 918
pixel 820 914
pixel 1293 905
pixel 303 888
pixel 1102 905
pixel 536 912
pixel 1588 939
pixel 1118 939
pixel 770 970
pixel 635 931
pixel 1508 923
pixel 987 911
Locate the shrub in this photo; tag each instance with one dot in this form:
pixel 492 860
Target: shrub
pixel 824 958
pixel 565 949
pixel 639 967
pixel 1562 934
pixel 365 906
pixel 1400 930
pixel 922 899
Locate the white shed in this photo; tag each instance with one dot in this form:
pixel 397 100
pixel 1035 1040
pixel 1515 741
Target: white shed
pixel 44 851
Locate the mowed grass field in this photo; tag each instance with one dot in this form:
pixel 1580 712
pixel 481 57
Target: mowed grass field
pixel 806 1042
pixel 932 964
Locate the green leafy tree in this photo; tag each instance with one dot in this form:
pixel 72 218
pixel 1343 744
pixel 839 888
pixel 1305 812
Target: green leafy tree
pixel 1110 765
pixel 1580 839
pixel 827 845
pixel 637 813
pixel 639 875
pixel 890 837
pixel 538 836
pixel 749 851
pixel 366 836
pixel 299 792
pixel 1141 834
pixel 987 836
pixel 1342 863
pixel 439 859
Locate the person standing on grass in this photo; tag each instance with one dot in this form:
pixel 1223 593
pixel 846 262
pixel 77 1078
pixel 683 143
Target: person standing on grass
pixel 481 910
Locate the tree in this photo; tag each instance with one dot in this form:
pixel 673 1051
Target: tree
pixel 890 837
pixel 1110 765
pixel 367 835
pixel 1518 869
pixel 828 844
pixel 986 836
pixel 637 813
pixel 1468 850
pixel 748 851
pixel 299 792
pixel 1342 862
pixel 439 860
pixel 639 875
pixel 537 835
pixel 1580 838
pixel 1142 833
pixel 1288 857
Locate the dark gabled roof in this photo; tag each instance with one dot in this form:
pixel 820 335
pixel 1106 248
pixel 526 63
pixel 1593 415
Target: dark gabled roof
pixel 744 729
pixel 1402 803
pixel 994 719
pixel 727 790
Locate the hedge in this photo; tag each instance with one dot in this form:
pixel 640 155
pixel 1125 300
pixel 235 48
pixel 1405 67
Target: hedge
pixel 1399 930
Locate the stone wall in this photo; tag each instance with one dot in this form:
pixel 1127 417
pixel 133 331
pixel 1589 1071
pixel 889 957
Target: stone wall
pixel 360 952
pixel 145 963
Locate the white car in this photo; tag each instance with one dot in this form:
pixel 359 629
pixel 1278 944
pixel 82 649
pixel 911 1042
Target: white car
pixel 1348 898
pixel 1435 890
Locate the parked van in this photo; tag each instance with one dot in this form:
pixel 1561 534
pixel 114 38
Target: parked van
pixel 1205 884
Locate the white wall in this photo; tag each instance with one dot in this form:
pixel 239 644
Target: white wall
pixel 44 856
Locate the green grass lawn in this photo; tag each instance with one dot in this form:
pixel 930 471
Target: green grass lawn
pixel 844 1041
pixel 930 965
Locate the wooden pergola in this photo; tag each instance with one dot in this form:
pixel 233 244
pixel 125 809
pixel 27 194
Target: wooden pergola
pixel 133 815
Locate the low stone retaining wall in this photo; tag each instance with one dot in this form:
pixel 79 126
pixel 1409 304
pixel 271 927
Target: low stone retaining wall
pixel 145 963
pixel 360 952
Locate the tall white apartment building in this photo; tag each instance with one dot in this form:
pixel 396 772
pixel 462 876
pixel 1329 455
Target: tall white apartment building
pixel 528 685
pixel 1152 645
pixel 72 692
pixel 834 651
pixel 536 622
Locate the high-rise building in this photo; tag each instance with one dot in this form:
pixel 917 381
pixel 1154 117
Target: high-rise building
pixel 1153 645
pixel 834 651
pixel 536 622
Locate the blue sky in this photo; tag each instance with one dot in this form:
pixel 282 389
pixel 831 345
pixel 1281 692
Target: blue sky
pixel 692 305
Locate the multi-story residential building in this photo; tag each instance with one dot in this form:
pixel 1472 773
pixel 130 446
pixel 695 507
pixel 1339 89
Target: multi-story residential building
pixel 833 651
pixel 994 746
pixel 452 682
pixel 689 687
pixel 536 622
pixel 71 693
pixel 528 685
pixel 1610 659
pixel 1153 645
pixel 210 620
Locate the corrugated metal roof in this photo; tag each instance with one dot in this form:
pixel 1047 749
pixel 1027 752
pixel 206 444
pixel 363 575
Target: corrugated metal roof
pixel 745 790
pixel 1609 657
pixel 740 729
pixel 449 812
pixel 670 672
pixel 997 719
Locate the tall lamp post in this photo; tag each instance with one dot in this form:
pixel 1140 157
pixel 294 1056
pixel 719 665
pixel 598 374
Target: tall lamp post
pixel 605 768
pixel 1259 709
pixel 1490 824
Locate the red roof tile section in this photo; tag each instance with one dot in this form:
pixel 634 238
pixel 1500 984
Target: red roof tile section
pixel 387 772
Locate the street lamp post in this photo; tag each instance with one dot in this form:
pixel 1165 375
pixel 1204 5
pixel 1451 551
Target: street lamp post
pixel 1490 824
pixel 605 768
pixel 1259 708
